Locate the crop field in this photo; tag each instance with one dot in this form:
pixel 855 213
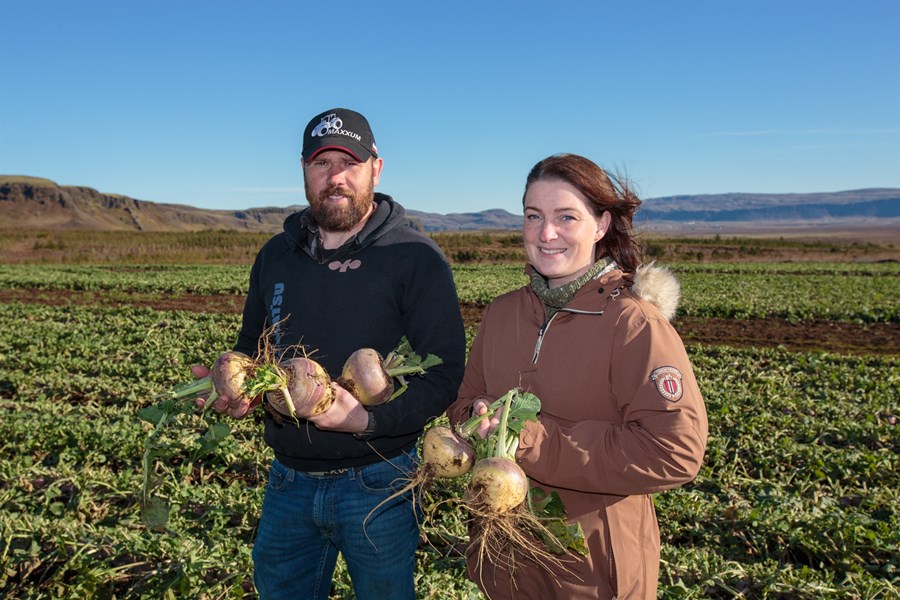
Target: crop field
pixel 798 496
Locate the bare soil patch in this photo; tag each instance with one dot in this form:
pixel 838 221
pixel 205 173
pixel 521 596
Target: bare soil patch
pixel 216 303
pixel 808 336
pixel 831 336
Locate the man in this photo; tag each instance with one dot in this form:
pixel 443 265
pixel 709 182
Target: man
pixel 347 272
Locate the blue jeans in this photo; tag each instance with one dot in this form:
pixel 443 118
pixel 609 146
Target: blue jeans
pixel 307 519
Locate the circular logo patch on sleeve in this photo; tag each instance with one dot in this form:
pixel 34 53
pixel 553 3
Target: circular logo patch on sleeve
pixel 668 383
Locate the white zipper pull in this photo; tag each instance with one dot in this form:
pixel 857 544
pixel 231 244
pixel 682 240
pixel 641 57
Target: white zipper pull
pixel 537 345
pixel 540 340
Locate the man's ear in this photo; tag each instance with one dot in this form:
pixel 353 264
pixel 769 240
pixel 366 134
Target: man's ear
pixel 377 164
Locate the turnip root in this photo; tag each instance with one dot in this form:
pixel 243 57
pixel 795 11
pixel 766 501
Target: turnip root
pixel 365 377
pixel 236 375
pixel 229 374
pixel 369 377
pixel 505 538
pixel 228 377
pixel 306 389
pixel 445 453
pixel 498 483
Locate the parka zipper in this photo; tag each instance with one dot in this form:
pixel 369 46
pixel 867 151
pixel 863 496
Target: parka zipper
pixel 546 325
pixel 537 346
pixel 540 338
pixel 613 580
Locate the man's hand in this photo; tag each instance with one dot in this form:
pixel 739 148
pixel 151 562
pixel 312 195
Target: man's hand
pixel 237 408
pixel 345 414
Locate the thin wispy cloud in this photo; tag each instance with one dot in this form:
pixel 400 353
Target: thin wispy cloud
pixel 264 190
pixel 764 132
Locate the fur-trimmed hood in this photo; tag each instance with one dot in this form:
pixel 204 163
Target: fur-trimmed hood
pixel 658 286
pixel 650 283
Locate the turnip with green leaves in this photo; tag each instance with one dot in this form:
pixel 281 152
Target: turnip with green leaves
pixel 498 483
pixel 369 377
pixel 506 524
pixel 233 375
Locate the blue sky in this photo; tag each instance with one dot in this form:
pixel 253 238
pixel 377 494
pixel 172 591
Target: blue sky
pixel 203 102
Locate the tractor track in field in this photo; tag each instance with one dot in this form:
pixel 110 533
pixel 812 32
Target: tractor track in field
pixel 808 336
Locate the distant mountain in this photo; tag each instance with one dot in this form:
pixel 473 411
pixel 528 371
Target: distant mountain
pixel 35 203
pixel 874 203
pixel 495 218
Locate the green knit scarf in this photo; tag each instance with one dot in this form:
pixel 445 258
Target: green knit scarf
pixel 556 298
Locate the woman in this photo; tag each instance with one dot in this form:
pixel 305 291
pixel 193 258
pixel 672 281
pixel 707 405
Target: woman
pixel 622 416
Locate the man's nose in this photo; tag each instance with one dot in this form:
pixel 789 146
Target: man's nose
pixel 336 174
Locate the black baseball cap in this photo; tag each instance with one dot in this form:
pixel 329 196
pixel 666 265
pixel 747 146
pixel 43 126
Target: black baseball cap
pixel 339 129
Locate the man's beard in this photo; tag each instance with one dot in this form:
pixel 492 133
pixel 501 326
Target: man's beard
pixel 331 217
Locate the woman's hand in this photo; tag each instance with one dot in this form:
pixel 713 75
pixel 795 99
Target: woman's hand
pixel 237 408
pixel 489 423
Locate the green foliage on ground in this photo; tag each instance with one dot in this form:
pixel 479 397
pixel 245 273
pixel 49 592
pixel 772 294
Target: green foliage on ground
pixel 798 498
pixel 857 292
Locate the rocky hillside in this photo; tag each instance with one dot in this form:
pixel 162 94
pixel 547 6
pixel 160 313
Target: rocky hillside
pixel 34 203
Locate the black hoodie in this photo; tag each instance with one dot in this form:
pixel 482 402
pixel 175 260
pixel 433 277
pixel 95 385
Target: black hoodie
pixel 388 281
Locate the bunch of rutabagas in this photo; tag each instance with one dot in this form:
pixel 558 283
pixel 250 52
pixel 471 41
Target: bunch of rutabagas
pixel 508 519
pixel 299 387
pixel 294 388
pixel 305 389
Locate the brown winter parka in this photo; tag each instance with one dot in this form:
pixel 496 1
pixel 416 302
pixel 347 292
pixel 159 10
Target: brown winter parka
pixel 622 418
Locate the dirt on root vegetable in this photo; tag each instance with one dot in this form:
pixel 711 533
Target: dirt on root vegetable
pixel 307 389
pixel 365 377
pixel 374 380
pixel 229 374
pixel 446 454
pixel 498 485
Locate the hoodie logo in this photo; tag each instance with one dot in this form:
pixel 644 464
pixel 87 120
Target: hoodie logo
pixel 337 265
pixel 275 311
pixel 668 383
